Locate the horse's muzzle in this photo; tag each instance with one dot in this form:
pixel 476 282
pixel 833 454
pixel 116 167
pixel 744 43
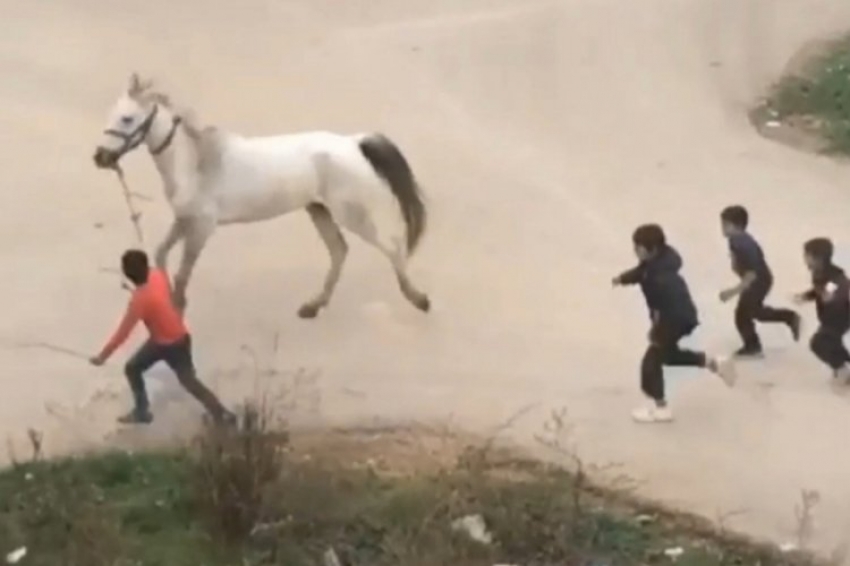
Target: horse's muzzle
pixel 105 158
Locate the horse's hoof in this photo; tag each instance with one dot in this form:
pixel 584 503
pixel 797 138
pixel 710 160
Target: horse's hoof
pixel 309 311
pixel 423 303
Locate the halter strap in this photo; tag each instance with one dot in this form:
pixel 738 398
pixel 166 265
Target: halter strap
pixel 175 122
pixel 133 139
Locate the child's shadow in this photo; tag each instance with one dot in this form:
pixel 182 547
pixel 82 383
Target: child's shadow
pixel 176 416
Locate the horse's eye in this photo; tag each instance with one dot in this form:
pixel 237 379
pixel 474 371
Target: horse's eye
pixel 126 120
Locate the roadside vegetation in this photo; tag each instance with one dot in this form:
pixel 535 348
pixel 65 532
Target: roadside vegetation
pixel 812 100
pixel 256 496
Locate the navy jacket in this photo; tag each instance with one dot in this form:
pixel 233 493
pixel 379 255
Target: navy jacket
pixel 665 290
pixel 834 313
pixel 747 255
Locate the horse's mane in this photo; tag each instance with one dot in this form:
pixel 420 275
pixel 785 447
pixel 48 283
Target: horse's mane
pixel 160 98
pixel 204 138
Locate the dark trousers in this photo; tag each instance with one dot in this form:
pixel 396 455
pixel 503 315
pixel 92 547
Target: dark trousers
pixel 751 308
pixel 828 345
pixel 663 351
pixel 178 356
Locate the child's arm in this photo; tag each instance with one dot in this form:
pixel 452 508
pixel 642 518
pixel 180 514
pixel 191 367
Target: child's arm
pixel 746 280
pixel 744 259
pixel 131 317
pixel 806 296
pixel 629 277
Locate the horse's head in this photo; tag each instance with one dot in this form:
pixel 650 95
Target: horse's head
pixel 128 124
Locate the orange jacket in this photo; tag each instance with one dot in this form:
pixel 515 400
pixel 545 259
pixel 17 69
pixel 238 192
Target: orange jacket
pixel 150 303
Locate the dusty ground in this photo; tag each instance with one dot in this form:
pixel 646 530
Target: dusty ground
pixel 543 132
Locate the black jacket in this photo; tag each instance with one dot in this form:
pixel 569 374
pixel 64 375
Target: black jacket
pixel 665 290
pixel 834 313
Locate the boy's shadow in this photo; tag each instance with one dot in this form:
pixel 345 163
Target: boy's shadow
pixel 177 415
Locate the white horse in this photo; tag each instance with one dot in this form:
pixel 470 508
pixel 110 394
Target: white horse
pixel 360 182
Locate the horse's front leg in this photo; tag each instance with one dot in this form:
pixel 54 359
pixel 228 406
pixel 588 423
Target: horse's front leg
pixel 196 234
pixel 174 235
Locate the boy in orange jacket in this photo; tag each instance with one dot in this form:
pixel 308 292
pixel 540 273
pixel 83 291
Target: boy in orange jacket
pixel 169 341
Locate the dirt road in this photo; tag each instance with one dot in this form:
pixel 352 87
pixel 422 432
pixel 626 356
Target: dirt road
pixel 542 131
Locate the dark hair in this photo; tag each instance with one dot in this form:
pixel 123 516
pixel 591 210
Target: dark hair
pixel 819 248
pixel 134 264
pixel 736 215
pixel 650 237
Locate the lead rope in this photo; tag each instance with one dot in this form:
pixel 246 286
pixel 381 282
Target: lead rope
pixel 135 216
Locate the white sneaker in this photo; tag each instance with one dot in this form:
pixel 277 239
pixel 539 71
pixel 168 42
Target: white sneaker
pixel 725 370
pixel 652 415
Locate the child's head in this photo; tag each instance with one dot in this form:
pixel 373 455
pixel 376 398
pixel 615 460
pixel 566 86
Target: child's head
pixel 648 240
pixel 734 219
pixel 134 265
pixel 818 253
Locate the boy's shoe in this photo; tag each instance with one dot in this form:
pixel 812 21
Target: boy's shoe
pixel 752 352
pixel 136 417
pixel 724 368
pixel 796 326
pixel 229 419
pixel 652 414
pixel 226 419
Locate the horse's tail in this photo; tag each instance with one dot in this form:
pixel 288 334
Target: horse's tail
pixel 389 163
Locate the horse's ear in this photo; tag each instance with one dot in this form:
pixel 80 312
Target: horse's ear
pixel 138 85
pixel 134 85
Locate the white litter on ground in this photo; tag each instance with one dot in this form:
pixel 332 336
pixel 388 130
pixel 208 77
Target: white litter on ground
pixel 16 555
pixel 788 547
pixel 474 526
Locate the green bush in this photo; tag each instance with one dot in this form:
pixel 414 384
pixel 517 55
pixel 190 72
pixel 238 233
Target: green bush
pixel 822 92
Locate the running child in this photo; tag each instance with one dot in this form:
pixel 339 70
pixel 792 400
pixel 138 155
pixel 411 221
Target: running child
pixel 830 292
pixel 756 280
pixel 169 341
pixel 673 316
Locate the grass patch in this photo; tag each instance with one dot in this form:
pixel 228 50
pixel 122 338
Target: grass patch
pixel 815 97
pixel 256 497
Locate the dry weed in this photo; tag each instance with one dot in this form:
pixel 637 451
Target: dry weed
pixel 804 517
pixel 235 467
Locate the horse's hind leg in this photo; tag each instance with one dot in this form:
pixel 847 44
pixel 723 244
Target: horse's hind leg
pixel 359 221
pixel 337 248
pixel 417 298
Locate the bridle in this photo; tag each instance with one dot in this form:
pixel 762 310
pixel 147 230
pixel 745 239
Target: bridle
pixel 131 142
pixel 137 136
